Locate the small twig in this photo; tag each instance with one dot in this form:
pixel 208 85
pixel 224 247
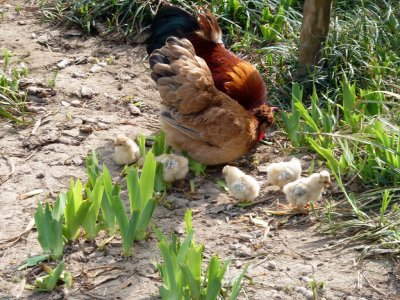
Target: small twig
pixel 372 286
pixel 12 169
pixel 30 155
pixel 92 296
pixel 36 126
pixel 30 194
pixel 261 201
pixel 105 280
pixel 261 262
pixel 13 240
pixel 305 257
pixel 251 256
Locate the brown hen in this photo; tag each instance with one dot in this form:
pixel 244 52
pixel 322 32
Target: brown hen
pixel 197 117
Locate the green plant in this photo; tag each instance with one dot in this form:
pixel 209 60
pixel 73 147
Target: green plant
pixel 292 121
pixel 52 81
pixel 316 287
pixel 386 198
pixel 142 204
pixel 18 8
pixel 141 140
pixel 110 190
pixel 197 168
pixel 159 147
pixel 181 270
pixel 48 282
pixel 273 28
pixel 127 226
pixel 141 193
pixel 94 197
pixel 75 210
pixel 11 102
pixel 7 54
pixel 49 224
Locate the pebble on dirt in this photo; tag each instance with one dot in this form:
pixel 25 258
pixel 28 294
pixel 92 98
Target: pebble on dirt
pixel 78 75
pixel 75 103
pixel 64 63
pixel 272 265
pixel 134 110
pixel 86 92
pixel 43 39
pixel 96 68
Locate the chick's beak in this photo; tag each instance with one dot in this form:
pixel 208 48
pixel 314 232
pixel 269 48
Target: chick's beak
pixel 328 184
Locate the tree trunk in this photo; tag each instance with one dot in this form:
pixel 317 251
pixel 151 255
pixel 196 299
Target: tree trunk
pixel 314 30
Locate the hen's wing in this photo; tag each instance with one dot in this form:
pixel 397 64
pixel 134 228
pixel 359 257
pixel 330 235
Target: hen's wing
pixel 193 105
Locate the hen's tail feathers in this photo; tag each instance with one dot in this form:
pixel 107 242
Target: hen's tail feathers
pixel 170 21
pixel 183 79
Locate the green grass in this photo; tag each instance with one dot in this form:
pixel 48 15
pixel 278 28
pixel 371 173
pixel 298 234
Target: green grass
pixel 181 271
pixel 12 100
pixel 345 110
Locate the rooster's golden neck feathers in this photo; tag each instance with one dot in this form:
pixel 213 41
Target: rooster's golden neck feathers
pixel 246 85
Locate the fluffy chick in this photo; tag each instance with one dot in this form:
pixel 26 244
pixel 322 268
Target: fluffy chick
pixel 126 150
pixel 243 187
pixel 304 190
pixel 176 167
pixel 281 173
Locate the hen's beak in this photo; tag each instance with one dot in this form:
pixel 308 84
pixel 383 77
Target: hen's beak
pixel 261 136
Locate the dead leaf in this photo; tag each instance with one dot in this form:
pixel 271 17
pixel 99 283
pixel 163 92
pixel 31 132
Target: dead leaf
pixel 260 222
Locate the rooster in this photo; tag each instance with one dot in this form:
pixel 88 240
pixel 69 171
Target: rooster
pixel 197 117
pixel 233 76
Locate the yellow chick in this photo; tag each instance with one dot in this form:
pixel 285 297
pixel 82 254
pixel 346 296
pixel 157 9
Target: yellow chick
pixel 281 173
pixel 176 167
pixel 243 187
pixel 126 150
pixel 304 190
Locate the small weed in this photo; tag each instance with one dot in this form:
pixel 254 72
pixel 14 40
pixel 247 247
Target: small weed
pixel 12 104
pixel 18 9
pixel 75 210
pixel 69 115
pixel 197 168
pixel 7 54
pixel 94 198
pixel 48 283
pixel 181 270
pixel 52 81
pixel 110 59
pixel 316 287
pixel 49 224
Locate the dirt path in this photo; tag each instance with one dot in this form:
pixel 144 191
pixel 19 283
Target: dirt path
pixel 88 110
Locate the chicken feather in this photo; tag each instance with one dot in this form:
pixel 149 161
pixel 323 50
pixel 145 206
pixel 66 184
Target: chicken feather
pixel 232 75
pixel 304 190
pixel 196 117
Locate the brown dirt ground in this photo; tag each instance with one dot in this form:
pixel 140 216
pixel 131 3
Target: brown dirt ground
pixel 55 153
